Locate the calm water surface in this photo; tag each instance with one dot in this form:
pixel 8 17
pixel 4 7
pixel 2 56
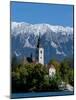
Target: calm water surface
pixel 40 94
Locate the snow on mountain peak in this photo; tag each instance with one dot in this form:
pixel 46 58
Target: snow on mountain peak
pixel 23 27
pixel 53 44
pixel 56 40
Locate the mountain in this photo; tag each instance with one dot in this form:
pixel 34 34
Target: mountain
pixel 56 40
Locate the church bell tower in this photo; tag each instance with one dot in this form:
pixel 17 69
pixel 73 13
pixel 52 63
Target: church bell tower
pixel 40 52
pixel 41 55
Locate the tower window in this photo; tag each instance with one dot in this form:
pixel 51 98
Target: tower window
pixel 40 57
pixel 40 51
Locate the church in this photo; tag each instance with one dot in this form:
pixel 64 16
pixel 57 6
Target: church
pixel 39 52
pixel 39 58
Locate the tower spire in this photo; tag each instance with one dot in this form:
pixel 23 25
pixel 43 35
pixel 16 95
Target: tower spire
pixel 37 47
pixel 38 42
pixel 39 52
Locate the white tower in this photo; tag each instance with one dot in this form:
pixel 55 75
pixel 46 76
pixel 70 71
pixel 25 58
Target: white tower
pixel 41 56
pixel 40 52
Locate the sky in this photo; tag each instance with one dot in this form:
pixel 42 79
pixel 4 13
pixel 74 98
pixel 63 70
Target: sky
pixel 35 13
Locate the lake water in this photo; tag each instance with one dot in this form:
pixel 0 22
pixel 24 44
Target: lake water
pixel 40 94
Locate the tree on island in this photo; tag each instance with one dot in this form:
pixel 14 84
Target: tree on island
pixel 35 77
pixel 67 71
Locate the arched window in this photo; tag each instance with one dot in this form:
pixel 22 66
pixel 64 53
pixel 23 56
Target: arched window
pixel 41 51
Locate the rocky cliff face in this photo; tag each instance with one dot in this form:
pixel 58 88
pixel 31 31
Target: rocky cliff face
pixel 57 41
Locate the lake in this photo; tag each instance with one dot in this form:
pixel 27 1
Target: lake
pixel 40 94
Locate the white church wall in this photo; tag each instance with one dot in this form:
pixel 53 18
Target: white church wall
pixel 41 56
pixel 52 71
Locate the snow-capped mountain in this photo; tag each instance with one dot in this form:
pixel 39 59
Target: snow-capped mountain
pixel 57 41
